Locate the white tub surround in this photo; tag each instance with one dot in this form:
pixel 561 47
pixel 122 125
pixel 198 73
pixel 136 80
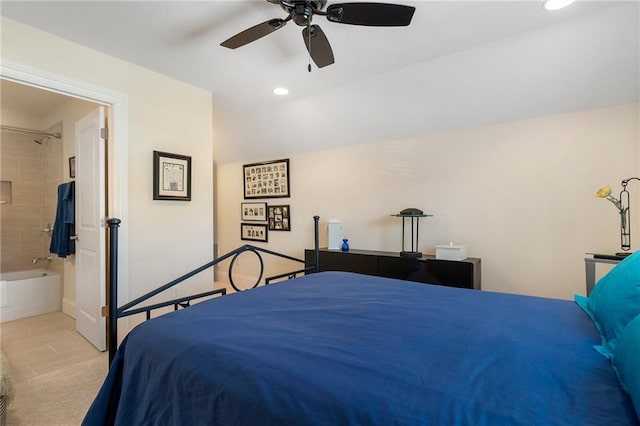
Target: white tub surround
pixel 28 293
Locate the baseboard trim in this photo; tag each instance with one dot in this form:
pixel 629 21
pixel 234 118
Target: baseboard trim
pixel 69 307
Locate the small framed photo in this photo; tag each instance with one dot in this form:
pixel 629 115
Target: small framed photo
pixel 280 218
pixel 171 176
pixel 72 167
pixel 251 232
pixel 254 212
pixel 266 180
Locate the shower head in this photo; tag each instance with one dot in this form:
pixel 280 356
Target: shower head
pixel 42 139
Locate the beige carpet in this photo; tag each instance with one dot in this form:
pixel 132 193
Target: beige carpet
pixel 59 398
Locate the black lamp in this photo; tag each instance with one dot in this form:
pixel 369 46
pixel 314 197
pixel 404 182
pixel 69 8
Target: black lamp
pixel 413 214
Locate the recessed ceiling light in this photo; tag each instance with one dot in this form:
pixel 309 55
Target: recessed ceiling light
pixel 556 4
pixel 280 91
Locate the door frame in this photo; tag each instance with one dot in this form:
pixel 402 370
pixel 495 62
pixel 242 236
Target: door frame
pixel 117 149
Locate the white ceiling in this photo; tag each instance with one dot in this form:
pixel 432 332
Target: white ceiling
pixel 457 64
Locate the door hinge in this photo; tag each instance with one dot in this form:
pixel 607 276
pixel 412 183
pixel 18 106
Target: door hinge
pixel 105 311
pixel 103 222
pixel 104 133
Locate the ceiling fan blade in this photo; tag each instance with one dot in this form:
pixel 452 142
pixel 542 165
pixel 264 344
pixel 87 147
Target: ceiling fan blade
pixel 253 33
pixel 318 46
pixel 371 14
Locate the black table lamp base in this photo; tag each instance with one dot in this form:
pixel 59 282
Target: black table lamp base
pixel 410 254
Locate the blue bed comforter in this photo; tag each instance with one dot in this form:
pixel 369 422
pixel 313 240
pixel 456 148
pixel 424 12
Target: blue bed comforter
pixel 344 349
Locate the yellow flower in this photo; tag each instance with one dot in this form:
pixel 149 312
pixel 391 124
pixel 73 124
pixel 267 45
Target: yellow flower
pixel 604 192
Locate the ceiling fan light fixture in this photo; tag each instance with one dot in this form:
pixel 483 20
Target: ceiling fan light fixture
pixel 281 91
pixel 302 15
pixel 556 4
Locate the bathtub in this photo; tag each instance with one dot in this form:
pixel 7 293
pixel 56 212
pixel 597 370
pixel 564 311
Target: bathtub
pixel 27 293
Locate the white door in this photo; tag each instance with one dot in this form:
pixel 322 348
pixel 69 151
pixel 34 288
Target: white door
pixel 90 212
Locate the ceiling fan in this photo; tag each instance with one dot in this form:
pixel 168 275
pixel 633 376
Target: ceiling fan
pixel 302 11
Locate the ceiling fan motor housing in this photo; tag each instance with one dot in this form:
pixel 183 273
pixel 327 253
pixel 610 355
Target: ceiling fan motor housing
pixel 302 11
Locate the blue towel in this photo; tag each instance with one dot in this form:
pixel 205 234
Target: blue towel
pixel 64 226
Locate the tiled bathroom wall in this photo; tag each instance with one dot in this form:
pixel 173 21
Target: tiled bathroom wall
pixel 30 174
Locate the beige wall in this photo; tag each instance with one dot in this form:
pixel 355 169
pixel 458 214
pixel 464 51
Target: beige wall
pixel 165 238
pixel 520 195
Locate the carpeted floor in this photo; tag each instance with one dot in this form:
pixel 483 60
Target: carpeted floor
pixel 59 398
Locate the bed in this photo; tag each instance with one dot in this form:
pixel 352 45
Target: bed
pixel 337 348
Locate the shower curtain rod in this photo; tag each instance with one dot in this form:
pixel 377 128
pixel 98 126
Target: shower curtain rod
pixel 34 132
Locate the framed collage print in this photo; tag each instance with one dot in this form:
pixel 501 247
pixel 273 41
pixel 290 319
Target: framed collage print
pixel 280 218
pixel 254 212
pixel 266 180
pixel 251 232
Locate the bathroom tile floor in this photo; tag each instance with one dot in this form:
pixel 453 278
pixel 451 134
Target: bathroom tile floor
pixel 41 344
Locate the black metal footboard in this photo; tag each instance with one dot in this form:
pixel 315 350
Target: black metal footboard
pixel 131 308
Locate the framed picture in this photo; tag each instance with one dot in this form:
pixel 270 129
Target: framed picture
pixel 72 167
pixel 279 218
pixel 251 232
pixel 266 180
pixel 171 176
pixel 254 212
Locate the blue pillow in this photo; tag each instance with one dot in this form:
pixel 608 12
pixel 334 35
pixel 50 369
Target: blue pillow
pixel 614 301
pixel 626 361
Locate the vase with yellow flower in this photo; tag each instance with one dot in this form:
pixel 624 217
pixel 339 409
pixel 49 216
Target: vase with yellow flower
pixel 622 204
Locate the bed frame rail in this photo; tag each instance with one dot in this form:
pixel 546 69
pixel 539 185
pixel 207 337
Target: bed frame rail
pixel 131 308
